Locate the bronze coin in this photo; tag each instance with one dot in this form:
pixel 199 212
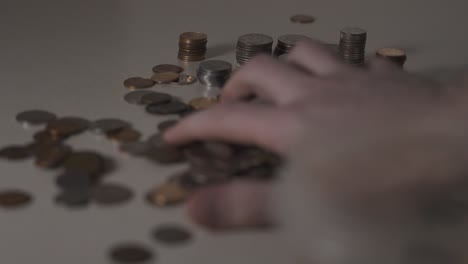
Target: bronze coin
pixel 173 107
pixel 202 103
pixel 74 198
pixel 124 135
pixel 138 83
pixel 165 77
pixel 138 148
pixel 193 37
pixel 111 194
pixel 156 98
pixel 73 180
pixel 166 155
pixel 302 19
pixel 397 56
pixel 172 234
pixel 165 125
pixel 65 127
pixel 167 194
pixel 44 137
pixel 131 253
pixel 14 198
pixel 167 68
pixel 15 153
pixel 52 156
pixel 85 161
pixel 35 117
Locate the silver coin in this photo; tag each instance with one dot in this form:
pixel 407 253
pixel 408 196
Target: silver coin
pixel 255 39
pixel 35 117
pixel 135 97
pixel 353 31
pixel 291 39
pixel 107 125
pixel 139 148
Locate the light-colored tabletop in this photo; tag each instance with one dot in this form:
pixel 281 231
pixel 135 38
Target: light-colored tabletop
pixel 71 57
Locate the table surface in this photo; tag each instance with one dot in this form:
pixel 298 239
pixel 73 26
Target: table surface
pixel 71 57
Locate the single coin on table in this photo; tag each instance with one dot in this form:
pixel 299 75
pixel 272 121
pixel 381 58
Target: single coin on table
pixel 167 68
pixel 165 125
pixel 172 234
pixel 156 98
pixel 135 83
pixel 76 198
pixel 107 125
pixel 173 107
pixel 134 97
pixel 35 117
pixel 14 198
pixel 302 19
pixel 15 152
pixel 131 253
pixel 64 127
pixel 139 148
pixel 165 77
pixel 51 156
pixel 45 137
pixel 124 135
pixel 167 194
pixel 111 194
pixel 85 161
pixel 76 180
pixel 202 103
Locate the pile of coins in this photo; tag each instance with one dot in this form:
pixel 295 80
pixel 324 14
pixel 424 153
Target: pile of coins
pixel 353 45
pixel 214 73
pixel 287 42
pixel 192 46
pixel 397 56
pixel 252 44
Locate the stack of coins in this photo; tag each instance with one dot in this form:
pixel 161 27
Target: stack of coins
pixel 394 55
pixel 353 45
pixel 214 72
pixel 286 43
pixel 252 44
pixel 192 46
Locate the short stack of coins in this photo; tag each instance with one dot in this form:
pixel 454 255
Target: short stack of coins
pixel 252 44
pixel 353 45
pixel 287 42
pixel 397 56
pixel 192 46
pixel 214 73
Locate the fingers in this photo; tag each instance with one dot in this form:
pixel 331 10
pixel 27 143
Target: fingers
pixel 267 78
pixel 241 204
pixel 316 58
pixel 272 128
pixel 382 65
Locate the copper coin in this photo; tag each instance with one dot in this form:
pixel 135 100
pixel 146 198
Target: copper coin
pixel 156 98
pixel 166 155
pixel 14 198
pixel 185 79
pixel 107 125
pixel 138 83
pixel 73 180
pixel 165 77
pixel 131 253
pixel 15 152
pixel 167 68
pixel 74 198
pixel 173 107
pixel 302 19
pixel 135 148
pixel 165 125
pixel 85 161
pixel 52 156
pixel 193 36
pixel 397 56
pixel 134 97
pixel 125 135
pixel 111 194
pixel 172 234
pixel 44 137
pixel 35 117
pixel 202 103
pixel 65 127
pixel 168 194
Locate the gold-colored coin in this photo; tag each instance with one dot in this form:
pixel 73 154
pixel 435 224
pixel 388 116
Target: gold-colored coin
pixel 201 103
pixel 125 135
pixel 167 68
pixel 165 77
pixel 168 194
pixel 395 55
pixel 138 83
pixel 302 19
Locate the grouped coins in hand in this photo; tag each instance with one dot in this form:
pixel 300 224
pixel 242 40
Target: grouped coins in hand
pixel 192 46
pixel 214 73
pixel 252 44
pixel 394 55
pixel 287 42
pixel 353 45
pixel 302 19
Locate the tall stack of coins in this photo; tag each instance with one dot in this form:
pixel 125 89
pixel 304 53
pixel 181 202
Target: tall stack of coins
pixel 192 46
pixel 353 45
pixel 214 72
pixel 252 44
pixel 286 43
pixel 394 55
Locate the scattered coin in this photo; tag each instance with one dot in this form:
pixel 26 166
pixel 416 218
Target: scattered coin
pixel 173 107
pixel 287 42
pixel 214 72
pixel 185 79
pixel 64 127
pixel 14 198
pixel 107 125
pixel 135 97
pixel 15 153
pixel 156 98
pixel 302 19
pixel 74 180
pixel 111 194
pixel 85 161
pixel 172 234
pixel 168 194
pixel 394 55
pixel 165 155
pixel 167 68
pixel 44 137
pixel 202 103
pixel 192 46
pixel 165 77
pixel 131 253
pixel 125 135
pixel 76 198
pixel 138 83
pixel 136 148
pixel 35 117
pixel 52 156
pixel 165 125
